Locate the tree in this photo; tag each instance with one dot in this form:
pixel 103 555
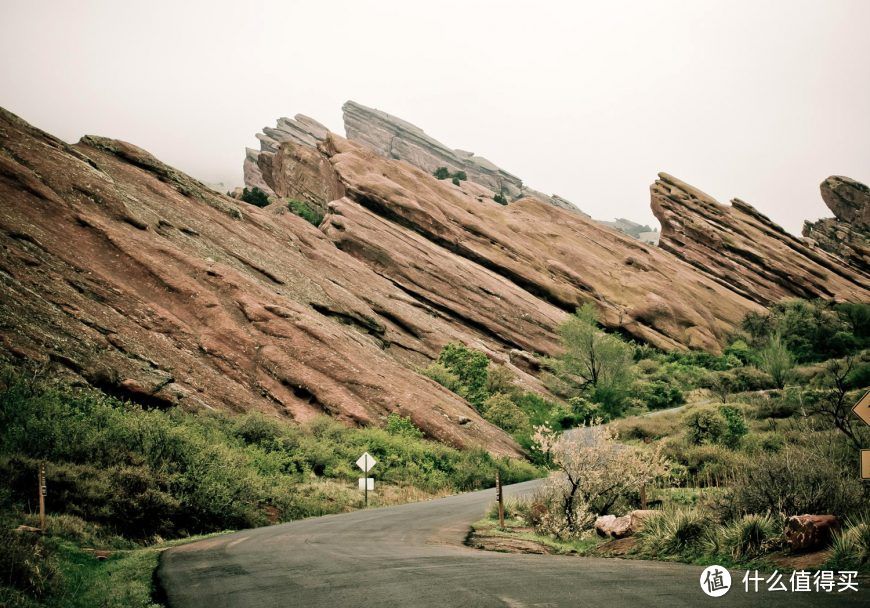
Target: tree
pixel 735 426
pixel 598 362
pixel 704 426
pixel 593 475
pixel 255 197
pixel 832 402
pixel 776 360
pixel 441 173
pixel 500 199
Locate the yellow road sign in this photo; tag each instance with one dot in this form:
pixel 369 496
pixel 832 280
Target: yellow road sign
pixel 862 408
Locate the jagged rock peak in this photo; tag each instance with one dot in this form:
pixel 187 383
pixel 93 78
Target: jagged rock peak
pixel 743 249
pixel 395 138
pixel 848 199
pixel 847 235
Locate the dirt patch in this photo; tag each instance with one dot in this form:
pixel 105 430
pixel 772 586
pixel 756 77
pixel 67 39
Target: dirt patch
pixel 490 542
pixel 811 560
pixel 616 548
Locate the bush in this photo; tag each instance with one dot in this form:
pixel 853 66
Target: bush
pixel 27 564
pixel 456 181
pixel 747 537
pixel 850 549
pixel 402 426
pixel 735 426
pixel 584 410
pixel 660 394
pixel 304 211
pixel 255 197
pixel 776 360
pixel 504 413
pixel 676 532
pixel 704 426
pixel 446 378
pixel 471 367
pixel 500 199
pixel 441 173
pixel 794 481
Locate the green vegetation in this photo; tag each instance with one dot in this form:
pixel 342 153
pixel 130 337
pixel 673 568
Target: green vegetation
pixel 444 173
pixel 120 476
pixel 766 432
pixel 500 198
pixel 303 210
pixel 255 197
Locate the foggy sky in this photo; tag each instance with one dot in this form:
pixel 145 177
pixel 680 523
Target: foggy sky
pixel 589 100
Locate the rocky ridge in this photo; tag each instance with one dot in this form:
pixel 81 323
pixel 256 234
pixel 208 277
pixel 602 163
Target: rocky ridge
pixel 847 234
pixel 745 251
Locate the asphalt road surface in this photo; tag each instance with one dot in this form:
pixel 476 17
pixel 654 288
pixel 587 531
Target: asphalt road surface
pixel 412 555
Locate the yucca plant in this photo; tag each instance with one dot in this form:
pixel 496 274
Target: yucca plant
pixel 748 536
pixel 851 547
pixel 674 532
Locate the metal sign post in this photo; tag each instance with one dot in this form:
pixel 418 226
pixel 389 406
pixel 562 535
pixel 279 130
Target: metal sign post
pixel 862 411
pixel 500 493
pixel 366 462
pixel 42 493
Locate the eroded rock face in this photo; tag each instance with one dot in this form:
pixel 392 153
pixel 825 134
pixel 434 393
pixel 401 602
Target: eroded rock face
pixel 743 250
pixel 847 235
pixel 396 218
pixel 151 286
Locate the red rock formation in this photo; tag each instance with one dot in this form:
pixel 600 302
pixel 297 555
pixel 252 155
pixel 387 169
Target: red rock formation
pixel 149 285
pixel 847 234
pixel 744 251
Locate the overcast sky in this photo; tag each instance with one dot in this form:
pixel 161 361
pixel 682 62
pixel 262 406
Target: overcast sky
pixel 589 100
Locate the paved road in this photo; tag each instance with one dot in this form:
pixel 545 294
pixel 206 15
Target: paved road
pixel 412 555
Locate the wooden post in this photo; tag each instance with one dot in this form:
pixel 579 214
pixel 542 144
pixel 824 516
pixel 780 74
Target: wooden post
pixel 643 496
pixel 42 491
pixel 498 490
pixel 366 480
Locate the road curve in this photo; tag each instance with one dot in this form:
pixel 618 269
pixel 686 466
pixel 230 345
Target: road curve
pixel 412 555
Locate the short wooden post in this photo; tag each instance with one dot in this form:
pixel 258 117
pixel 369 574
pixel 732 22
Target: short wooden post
pixel 643 496
pixel 498 490
pixel 42 492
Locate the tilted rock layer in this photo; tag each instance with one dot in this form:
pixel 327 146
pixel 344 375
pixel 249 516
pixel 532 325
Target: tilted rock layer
pixel 846 235
pixel 744 251
pixel 155 288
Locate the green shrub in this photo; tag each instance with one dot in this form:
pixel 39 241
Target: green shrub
pixel 27 564
pixel 303 210
pixel 747 537
pixel 460 175
pixel 704 426
pixel 500 199
pixel 676 532
pixel 441 173
pixel 504 413
pixel 402 426
pixel 735 426
pixel 500 379
pixel 446 378
pixel 584 410
pixel 660 394
pixel 471 367
pixel 255 197
pixel 850 549
pixel 794 481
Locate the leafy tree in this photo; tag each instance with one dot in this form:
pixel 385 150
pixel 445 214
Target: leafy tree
pixel 441 173
pixel 597 361
pixel 471 367
pixel 500 199
pixel 255 197
pixel 776 360
pixel 460 175
pixel 456 181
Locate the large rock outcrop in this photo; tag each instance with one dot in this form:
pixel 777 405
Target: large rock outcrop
pixel 513 271
pixel 847 234
pixel 745 251
pixel 146 283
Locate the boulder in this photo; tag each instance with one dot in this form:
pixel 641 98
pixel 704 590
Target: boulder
pixel 615 527
pixel 604 524
pixel 638 517
pixel 805 532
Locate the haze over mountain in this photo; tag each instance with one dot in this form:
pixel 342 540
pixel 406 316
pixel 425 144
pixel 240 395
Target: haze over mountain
pixel 587 100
